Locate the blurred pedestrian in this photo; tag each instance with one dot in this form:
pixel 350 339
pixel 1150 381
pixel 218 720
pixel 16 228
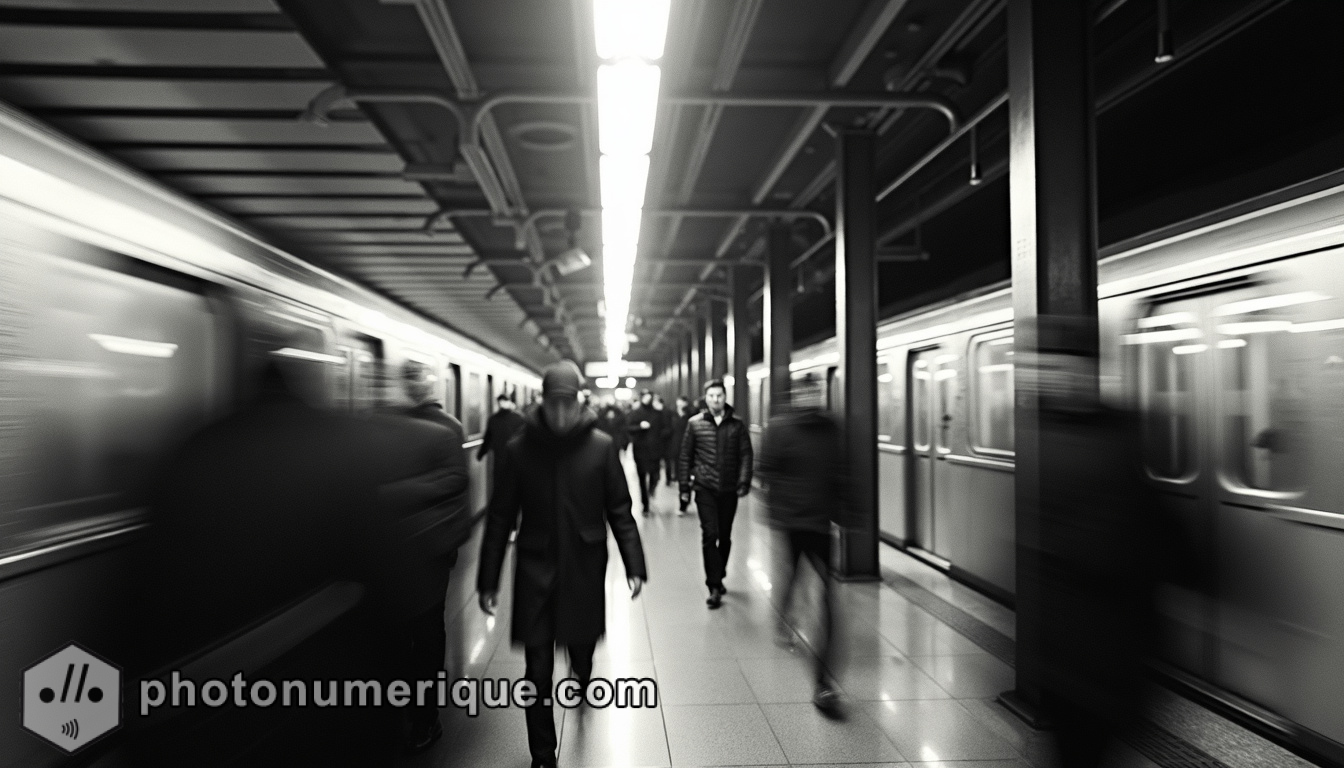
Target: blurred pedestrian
pixel 503 424
pixel 805 473
pixel 664 426
pixel 645 427
pixel 716 461
pixel 676 431
pixel 611 419
pixel 429 501
pixel 567 480
pixel 1105 544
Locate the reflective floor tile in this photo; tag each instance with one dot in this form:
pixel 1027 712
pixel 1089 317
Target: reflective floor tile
pixel 927 731
pixel 808 737
pixel 777 681
pixel 968 676
pixel 887 678
pixel 721 734
pixel 614 736
pixel 709 681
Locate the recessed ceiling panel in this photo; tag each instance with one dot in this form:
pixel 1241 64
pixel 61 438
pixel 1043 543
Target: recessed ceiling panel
pixel 230 184
pixel 127 93
pixel 108 47
pixel 184 130
pixel 357 161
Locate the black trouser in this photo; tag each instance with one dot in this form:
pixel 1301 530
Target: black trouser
pixel 541 738
pixel 716 509
pixel 815 547
pixel 647 469
pixel 670 469
pixel 429 642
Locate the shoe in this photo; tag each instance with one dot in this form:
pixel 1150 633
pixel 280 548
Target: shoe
pixel 827 701
pixel 722 590
pixel 422 738
pixel 715 599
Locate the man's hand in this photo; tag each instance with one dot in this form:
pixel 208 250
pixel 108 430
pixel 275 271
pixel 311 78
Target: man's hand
pixel 636 584
pixel 643 425
pixel 488 601
pixel 743 490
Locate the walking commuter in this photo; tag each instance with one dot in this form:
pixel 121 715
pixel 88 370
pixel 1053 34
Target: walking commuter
pixel 645 427
pixel 430 502
pixel 611 419
pixel 500 428
pixel 805 474
pixel 664 435
pixel 716 462
pixel 676 430
pixel 566 478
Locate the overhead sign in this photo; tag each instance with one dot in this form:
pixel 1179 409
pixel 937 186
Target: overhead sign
pixel 600 368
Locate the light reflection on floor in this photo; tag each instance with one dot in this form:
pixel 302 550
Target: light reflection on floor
pixel 728 693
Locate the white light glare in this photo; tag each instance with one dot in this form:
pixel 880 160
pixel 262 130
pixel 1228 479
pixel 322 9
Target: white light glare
pixel 1268 302
pixel 630 381
pixel 627 107
pixel 623 180
pixel 620 232
pixel 625 28
pixel 138 347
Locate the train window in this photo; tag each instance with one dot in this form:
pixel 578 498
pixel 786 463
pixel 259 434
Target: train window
pixel 921 390
pixel 945 378
pixel 888 403
pixel 1268 365
pixel 992 394
pixel 474 412
pixel 452 390
pixel 100 373
pixel 757 388
pixel 1168 348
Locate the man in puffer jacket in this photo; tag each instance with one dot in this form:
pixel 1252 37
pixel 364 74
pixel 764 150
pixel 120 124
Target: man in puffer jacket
pixel 716 461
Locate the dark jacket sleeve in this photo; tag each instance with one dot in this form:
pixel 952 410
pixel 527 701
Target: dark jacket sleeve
pixel 770 461
pixel 620 520
pixel 746 458
pixel 687 455
pixel 505 500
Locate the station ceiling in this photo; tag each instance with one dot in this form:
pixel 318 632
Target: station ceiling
pixel 329 127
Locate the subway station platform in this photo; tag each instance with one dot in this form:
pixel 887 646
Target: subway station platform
pixel 924 660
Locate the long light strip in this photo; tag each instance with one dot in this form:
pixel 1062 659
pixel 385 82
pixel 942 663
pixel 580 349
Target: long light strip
pixel 629 36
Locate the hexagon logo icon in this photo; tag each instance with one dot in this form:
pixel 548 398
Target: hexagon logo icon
pixel 72 698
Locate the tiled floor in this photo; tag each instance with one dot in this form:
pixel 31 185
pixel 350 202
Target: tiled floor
pixel 917 692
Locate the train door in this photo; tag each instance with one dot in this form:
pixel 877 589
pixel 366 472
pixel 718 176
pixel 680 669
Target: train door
pixel 366 355
pixel 921 426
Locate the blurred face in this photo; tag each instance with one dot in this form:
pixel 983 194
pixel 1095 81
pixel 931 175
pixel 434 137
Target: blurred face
pixel 646 399
pixel 562 413
pixel 682 403
pixel 506 405
pixel 715 397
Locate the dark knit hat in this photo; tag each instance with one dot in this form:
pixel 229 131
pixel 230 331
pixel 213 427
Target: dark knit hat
pixel 561 379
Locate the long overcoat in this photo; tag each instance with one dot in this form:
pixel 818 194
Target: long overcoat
pixel 570 488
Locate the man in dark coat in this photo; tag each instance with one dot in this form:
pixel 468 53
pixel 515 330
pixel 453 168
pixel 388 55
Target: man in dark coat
pixel 803 466
pixel 430 503
pixel 611 419
pixel 565 477
pixel 645 426
pixel 715 461
pixel 676 430
pixel 500 429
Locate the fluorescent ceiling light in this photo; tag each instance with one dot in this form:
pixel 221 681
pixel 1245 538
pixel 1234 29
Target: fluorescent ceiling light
pixel 1189 349
pixel 630 28
pixel 1162 337
pixel 627 106
pixel 1173 318
pixel 623 180
pixel 1231 343
pixel 1268 302
pixel 1318 325
pixel 620 229
pixel 139 347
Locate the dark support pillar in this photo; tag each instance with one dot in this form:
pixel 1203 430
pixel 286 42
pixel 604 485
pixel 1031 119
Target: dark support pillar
pixel 856 338
pixel 778 316
pixel 698 367
pixel 716 317
pixel 1052 224
pixel 739 341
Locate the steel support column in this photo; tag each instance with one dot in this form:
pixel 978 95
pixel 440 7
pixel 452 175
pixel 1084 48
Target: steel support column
pixel 1054 262
pixel 856 339
pixel 778 313
pixel 698 367
pixel 716 316
pixel 739 340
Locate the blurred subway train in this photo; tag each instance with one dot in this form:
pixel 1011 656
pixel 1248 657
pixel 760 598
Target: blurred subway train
pixel 130 317
pixel 1229 340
